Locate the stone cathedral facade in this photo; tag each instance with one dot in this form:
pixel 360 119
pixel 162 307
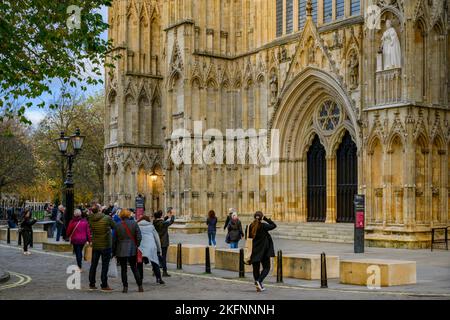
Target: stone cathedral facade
pixel 318 72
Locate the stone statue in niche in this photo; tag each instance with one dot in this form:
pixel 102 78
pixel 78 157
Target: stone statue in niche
pixel 273 88
pixel 311 55
pixel 390 47
pixel 353 67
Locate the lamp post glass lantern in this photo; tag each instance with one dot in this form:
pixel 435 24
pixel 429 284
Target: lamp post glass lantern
pixel 63 145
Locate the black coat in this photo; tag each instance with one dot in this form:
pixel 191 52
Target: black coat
pixel 27 224
pixel 235 232
pixel 162 226
pixel 262 242
pixel 123 244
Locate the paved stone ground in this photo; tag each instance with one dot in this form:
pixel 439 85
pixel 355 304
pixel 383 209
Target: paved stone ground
pixel 42 275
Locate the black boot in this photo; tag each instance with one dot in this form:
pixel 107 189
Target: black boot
pixel 160 281
pixel 125 290
pixel 165 274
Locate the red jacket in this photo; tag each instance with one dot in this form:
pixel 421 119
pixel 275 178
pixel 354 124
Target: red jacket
pixel 80 234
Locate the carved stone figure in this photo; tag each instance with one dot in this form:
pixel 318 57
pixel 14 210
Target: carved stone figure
pixel 273 88
pixel 353 67
pixel 390 46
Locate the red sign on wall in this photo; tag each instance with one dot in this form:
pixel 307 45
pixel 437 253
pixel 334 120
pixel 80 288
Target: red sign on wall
pixel 359 219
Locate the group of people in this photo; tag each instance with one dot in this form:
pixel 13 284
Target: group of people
pixel 114 232
pixel 258 231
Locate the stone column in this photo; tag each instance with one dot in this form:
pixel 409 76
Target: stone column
pixel 303 190
pixel 331 189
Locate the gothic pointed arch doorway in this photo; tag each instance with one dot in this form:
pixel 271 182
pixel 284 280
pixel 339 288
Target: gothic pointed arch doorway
pixel 317 182
pixel 347 178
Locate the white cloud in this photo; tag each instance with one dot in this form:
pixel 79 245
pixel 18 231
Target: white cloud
pixel 35 115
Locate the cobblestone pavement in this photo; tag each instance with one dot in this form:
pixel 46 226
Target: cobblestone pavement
pixel 42 275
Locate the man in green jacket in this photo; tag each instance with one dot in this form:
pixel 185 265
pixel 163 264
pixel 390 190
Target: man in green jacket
pixel 100 225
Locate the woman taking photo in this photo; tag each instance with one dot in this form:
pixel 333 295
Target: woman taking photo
pixel 211 221
pixel 27 230
pixel 150 248
pixel 262 249
pixel 79 233
pixel 127 238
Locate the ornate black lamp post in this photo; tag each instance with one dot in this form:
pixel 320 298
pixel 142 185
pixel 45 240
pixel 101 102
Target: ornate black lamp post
pixel 63 145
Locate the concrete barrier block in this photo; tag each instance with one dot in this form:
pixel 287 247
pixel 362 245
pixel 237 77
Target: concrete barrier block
pixel 392 272
pixel 57 246
pixel 307 266
pixel 190 254
pixel 38 235
pixel 228 259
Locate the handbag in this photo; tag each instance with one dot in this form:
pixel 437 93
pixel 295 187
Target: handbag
pixel 73 231
pixel 138 252
pixel 248 248
pixel 112 271
pixel 87 252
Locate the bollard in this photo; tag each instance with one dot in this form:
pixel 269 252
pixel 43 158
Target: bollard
pixel 179 259
pixel 280 267
pixel 207 261
pixel 241 264
pixel 323 271
pixel 8 236
pixel 19 237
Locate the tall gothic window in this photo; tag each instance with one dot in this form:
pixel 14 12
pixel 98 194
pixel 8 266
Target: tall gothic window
pixel 301 13
pixel 314 10
pixel 289 16
pixel 355 8
pixel 340 8
pixel 279 17
pixel 327 10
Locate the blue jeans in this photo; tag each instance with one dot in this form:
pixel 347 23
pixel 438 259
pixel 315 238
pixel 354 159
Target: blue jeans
pixel 212 238
pixel 106 257
pixel 78 249
pixel 59 228
pixel 12 224
pixel 234 245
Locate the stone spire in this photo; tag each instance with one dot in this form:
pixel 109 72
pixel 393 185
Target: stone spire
pixel 309 8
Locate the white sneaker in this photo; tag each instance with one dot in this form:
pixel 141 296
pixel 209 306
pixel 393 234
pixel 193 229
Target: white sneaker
pixel 259 286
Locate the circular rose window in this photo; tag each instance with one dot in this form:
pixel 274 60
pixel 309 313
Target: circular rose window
pixel 329 115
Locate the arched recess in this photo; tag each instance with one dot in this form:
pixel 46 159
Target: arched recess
pixel 261 102
pixel 142 181
pixel 132 39
pixel 144 118
pixel 115 184
pixel 347 178
pixel 195 100
pixel 420 37
pixel 375 190
pixel 156 185
pixel 226 106
pixel 299 101
pixel 437 61
pixel 250 104
pixel 112 113
pixel 396 178
pixel 130 126
pixel 316 179
pixel 144 42
pixel 295 117
pixel 156 125
pixel 421 169
pixel 437 168
pixel 155 44
pixel 211 102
